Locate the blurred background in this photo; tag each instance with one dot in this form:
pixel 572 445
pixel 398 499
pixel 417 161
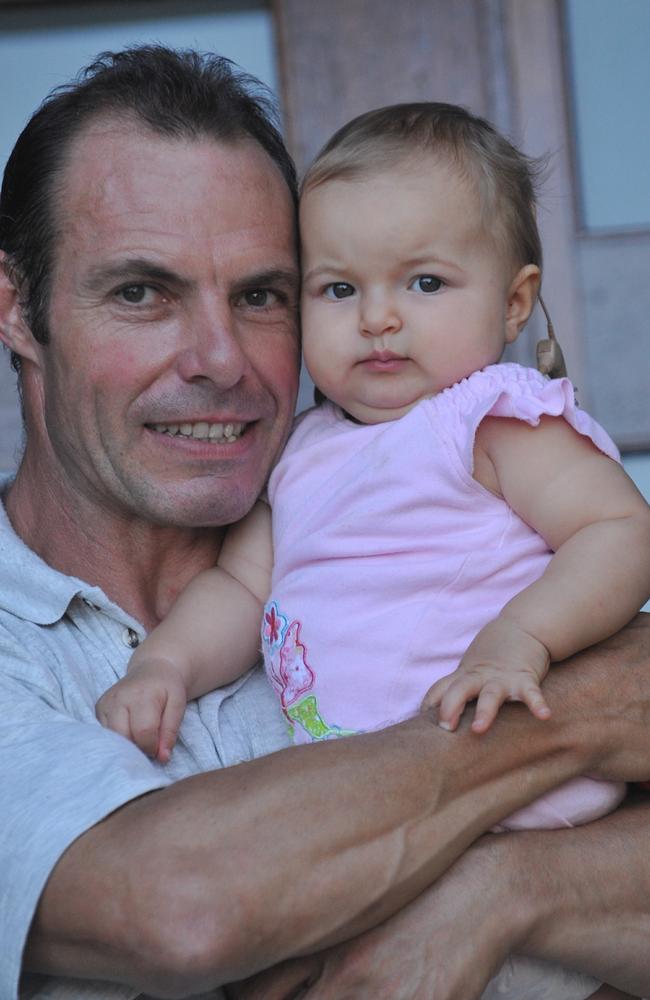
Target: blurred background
pixel 570 78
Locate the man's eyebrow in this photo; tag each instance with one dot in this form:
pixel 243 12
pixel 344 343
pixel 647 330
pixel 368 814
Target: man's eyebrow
pixel 287 277
pixel 133 269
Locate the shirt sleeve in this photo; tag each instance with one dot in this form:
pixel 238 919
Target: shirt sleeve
pixel 513 391
pixel 58 777
pixel 526 395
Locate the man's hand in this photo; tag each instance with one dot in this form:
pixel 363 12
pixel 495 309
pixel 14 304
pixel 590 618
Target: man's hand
pixel 288 981
pixel 503 663
pixel 609 682
pixel 146 706
pixel 447 945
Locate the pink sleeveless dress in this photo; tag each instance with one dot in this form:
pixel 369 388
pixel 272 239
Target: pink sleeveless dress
pixel 390 557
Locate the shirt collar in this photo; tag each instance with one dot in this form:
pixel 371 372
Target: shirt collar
pixel 29 587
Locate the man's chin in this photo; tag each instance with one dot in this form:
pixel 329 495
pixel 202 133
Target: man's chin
pixel 189 510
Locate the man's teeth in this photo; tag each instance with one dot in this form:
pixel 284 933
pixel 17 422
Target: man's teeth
pixel 203 431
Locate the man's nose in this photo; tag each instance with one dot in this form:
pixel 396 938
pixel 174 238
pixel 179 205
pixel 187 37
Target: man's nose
pixel 379 316
pixel 211 349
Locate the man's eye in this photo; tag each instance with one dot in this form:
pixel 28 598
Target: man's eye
pixel 338 290
pixel 134 295
pixel 259 298
pixel 427 283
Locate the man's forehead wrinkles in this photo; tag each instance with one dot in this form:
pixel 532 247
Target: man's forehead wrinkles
pixel 119 195
pixel 174 214
pixel 149 229
pixel 170 242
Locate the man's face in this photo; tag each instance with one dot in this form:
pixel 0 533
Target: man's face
pixel 169 383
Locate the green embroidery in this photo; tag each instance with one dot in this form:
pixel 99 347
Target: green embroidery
pixel 305 712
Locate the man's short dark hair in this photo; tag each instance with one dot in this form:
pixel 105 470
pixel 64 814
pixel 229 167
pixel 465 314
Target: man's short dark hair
pixel 180 94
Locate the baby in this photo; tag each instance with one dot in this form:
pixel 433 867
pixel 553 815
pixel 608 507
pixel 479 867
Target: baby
pixel 444 526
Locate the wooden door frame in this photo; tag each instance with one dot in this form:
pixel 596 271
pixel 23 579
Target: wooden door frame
pixel 514 60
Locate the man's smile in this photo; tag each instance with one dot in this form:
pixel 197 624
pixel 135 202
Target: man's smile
pixel 217 433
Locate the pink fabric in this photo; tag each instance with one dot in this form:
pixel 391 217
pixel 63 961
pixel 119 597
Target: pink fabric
pixel 389 558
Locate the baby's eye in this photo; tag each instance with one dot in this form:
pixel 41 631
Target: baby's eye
pixel 427 283
pixel 338 290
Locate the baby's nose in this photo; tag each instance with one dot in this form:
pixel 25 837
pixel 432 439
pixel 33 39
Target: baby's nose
pixel 379 318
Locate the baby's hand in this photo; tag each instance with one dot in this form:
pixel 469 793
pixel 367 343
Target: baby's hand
pixel 146 706
pixel 503 663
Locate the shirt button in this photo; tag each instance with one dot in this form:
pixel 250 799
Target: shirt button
pixel 130 638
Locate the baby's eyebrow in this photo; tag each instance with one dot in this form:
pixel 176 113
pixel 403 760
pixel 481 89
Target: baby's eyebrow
pixel 429 261
pixel 328 270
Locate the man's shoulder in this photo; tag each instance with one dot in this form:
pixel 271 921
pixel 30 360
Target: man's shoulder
pixel 21 649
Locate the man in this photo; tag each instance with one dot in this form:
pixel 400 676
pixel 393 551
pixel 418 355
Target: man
pixel 148 296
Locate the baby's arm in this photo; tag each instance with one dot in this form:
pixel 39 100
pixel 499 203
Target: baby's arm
pixel 597 523
pixel 209 638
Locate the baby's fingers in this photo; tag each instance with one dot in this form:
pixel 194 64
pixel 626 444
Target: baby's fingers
pixel 145 727
pixel 449 707
pixel 490 700
pixel 533 697
pixel 461 689
pixel 436 693
pixel 493 696
pixel 169 725
pixel 114 715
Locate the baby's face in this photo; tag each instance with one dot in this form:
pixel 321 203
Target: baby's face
pixel 404 294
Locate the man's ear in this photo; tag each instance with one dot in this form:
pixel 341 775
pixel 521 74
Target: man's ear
pixel 14 332
pixel 522 296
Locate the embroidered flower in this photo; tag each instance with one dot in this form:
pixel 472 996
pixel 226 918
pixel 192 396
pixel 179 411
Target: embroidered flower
pixel 273 626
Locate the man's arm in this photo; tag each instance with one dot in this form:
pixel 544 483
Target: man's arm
pixel 578 898
pixel 229 872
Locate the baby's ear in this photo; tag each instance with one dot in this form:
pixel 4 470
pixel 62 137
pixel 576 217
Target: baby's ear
pixel 522 296
pixel 14 332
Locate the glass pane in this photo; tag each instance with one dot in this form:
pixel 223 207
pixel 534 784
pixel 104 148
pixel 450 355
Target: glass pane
pixel 609 62
pixel 43 47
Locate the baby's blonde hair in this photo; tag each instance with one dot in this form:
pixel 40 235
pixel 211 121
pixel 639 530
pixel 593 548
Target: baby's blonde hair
pixel 504 178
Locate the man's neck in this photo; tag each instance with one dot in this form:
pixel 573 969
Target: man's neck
pixel 139 566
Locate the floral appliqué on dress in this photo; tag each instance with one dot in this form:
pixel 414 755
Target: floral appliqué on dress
pixel 292 677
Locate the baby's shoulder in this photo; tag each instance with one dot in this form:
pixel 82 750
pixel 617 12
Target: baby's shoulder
pixel 501 381
pixel 504 390
pixel 516 392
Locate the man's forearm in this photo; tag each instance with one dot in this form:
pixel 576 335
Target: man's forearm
pixel 575 901
pixel 232 871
